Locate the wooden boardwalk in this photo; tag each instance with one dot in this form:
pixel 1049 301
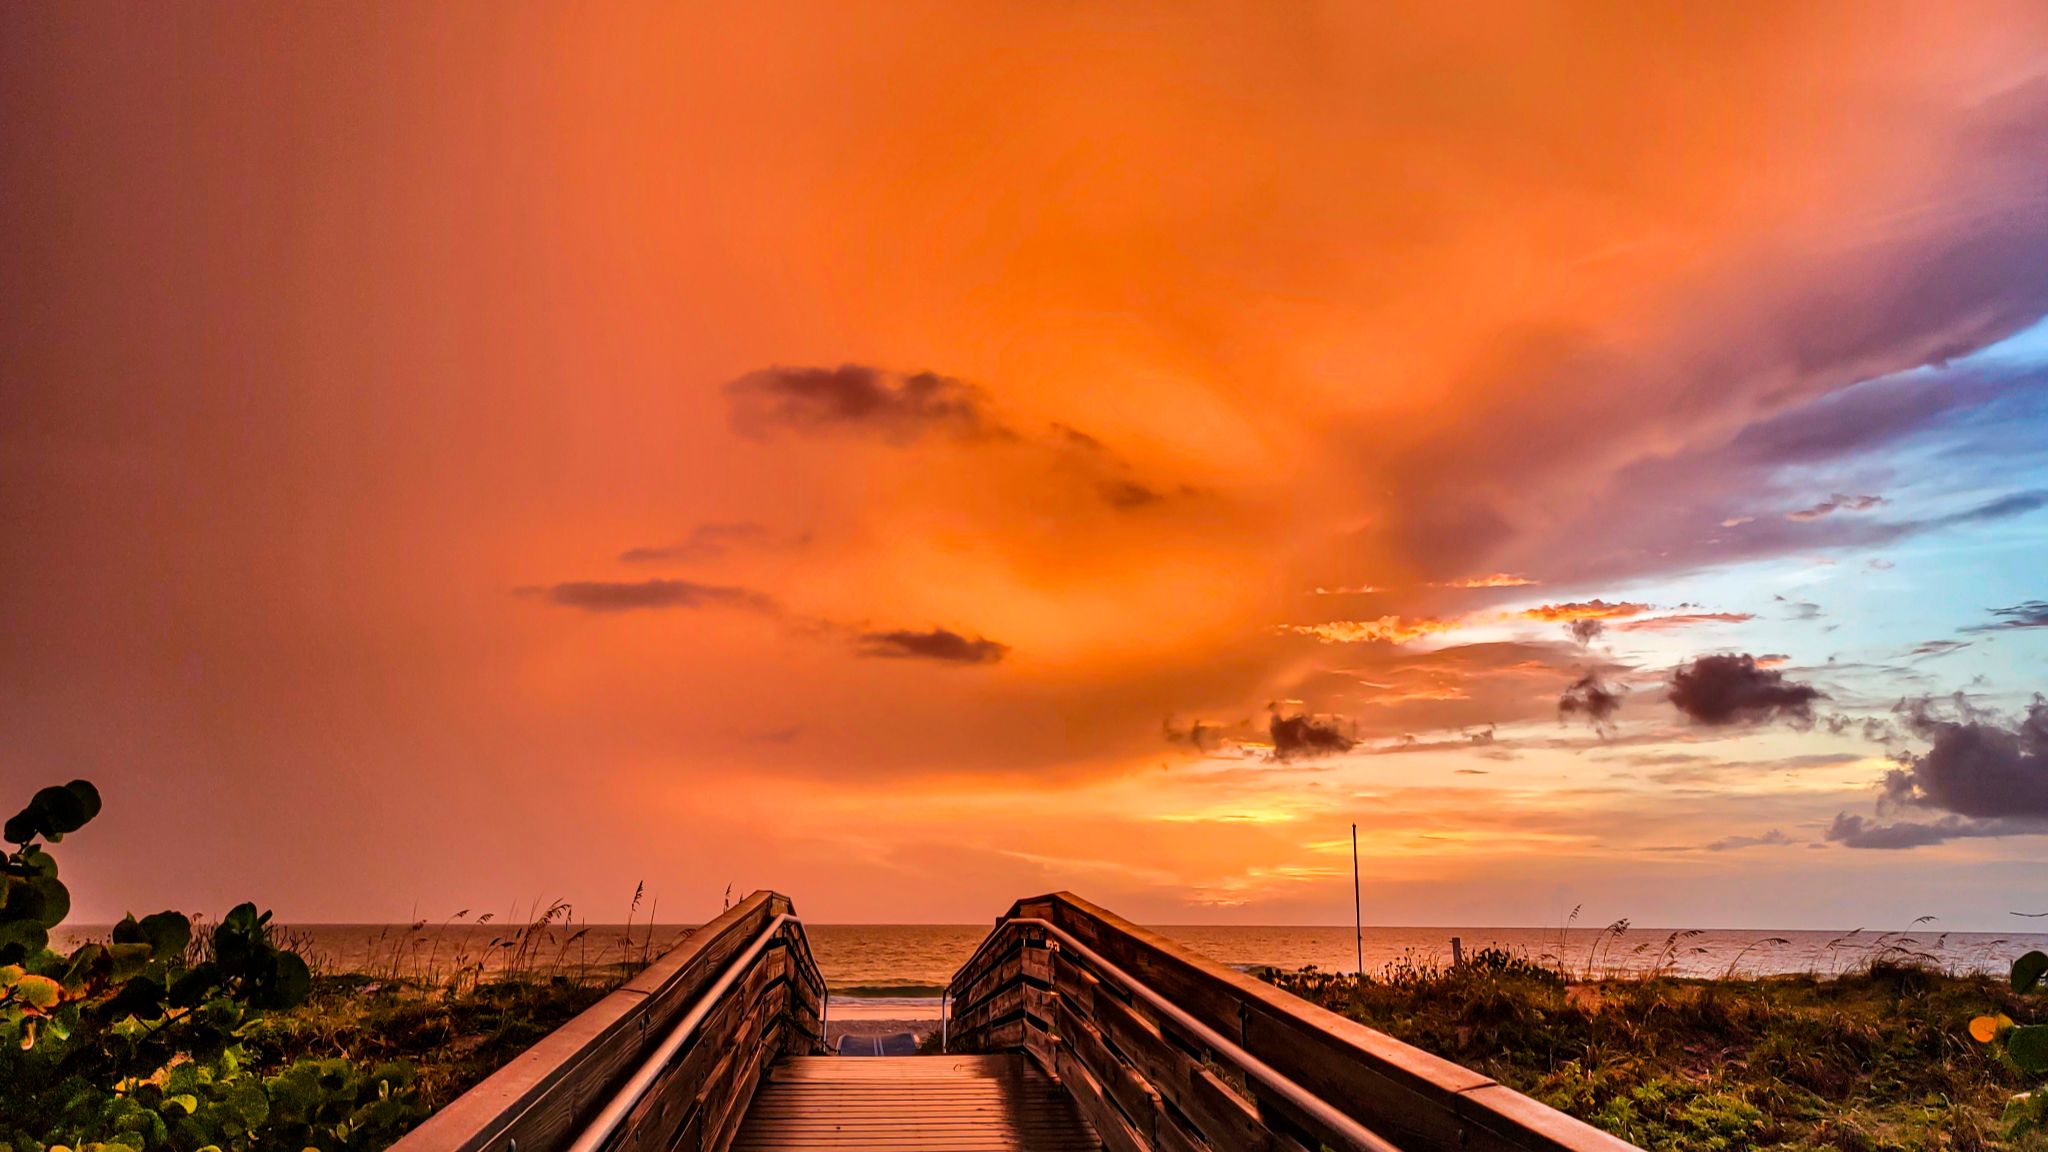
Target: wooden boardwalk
pixel 1070 1029
pixel 997 1103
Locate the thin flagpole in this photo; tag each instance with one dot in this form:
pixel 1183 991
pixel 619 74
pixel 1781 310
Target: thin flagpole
pixel 1357 915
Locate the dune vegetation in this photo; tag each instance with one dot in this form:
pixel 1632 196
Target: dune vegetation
pixel 1877 1058
pixel 178 1035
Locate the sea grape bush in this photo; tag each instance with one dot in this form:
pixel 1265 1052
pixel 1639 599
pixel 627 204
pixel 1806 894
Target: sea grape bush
pixel 2025 1045
pixel 142 1043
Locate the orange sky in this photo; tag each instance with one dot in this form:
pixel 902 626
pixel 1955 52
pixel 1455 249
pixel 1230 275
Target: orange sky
pixel 347 350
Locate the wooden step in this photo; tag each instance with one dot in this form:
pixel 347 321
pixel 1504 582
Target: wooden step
pixel 915 1103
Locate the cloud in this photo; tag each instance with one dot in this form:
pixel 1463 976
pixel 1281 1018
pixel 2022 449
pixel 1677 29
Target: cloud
pixel 1402 629
pixel 1128 494
pixel 1799 609
pixel 1201 737
pixel 1937 648
pixel 2003 508
pixel 1833 504
pixel 645 595
pixel 1976 765
pixel 1392 629
pixel 1726 689
pixel 1852 831
pixel 1304 738
pixel 705 542
pixel 1773 838
pixel 2031 614
pixel 1584 632
pixel 1494 580
pixel 1683 620
pixel 862 400
pixel 1593 698
pixel 941 644
pixel 1584 610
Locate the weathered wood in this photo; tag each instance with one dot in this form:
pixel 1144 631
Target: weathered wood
pixel 547 1093
pixel 1107 1034
pixel 912 1104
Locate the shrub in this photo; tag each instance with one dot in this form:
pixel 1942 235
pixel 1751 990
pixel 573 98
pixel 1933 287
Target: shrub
pixel 141 1043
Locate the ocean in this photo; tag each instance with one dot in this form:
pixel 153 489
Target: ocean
pixel 898 971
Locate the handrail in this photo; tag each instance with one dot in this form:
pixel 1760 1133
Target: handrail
pixel 1358 1134
pixel 635 1089
pixel 685 1042
pixel 1167 1050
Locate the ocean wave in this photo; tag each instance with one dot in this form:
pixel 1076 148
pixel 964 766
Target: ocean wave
pixel 889 991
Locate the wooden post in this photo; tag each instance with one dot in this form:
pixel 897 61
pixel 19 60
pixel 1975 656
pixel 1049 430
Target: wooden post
pixel 1457 952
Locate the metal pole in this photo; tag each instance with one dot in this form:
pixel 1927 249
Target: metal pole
pixel 1357 913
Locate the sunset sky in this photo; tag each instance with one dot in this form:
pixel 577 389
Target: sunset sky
pixel 915 456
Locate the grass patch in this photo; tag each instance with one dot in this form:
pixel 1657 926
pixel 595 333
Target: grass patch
pixel 1874 1059
pixel 453 1039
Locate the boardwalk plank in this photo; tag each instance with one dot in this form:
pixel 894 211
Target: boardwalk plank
pixel 912 1103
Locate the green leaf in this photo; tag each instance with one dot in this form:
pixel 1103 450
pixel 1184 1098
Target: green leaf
pixel 42 993
pixel 2028 1047
pixel 58 811
pixel 168 934
pixel 38 862
pixel 129 961
pixel 129 932
pixel 85 963
pixel 20 939
pixel 56 900
pixel 194 985
pixel 88 800
pixel 142 998
pixel 21 827
pixel 2027 971
pixel 291 984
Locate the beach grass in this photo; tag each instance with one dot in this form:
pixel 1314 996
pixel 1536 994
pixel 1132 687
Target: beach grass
pixel 1865 1060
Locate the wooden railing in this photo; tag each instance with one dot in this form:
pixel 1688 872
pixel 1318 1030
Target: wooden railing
pixel 1163 1049
pixel 669 1061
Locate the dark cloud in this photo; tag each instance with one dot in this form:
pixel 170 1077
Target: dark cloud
pixel 1853 831
pixel 1799 609
pixel 1107 471
pixel 1875 729
pixel 1727 689
pixel 941 644
pixel 1201 737
pixel 643 595
pixel 1304 737
pixel 1861 418
pixel 1937 648
pixel 1839 502
pixel 1584 632
pixel 2032 614
pixel 858 399
pixel 2003 508
pixel 1593 698
pixel 705 542
pixel 1128 494
pixel 1975 766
